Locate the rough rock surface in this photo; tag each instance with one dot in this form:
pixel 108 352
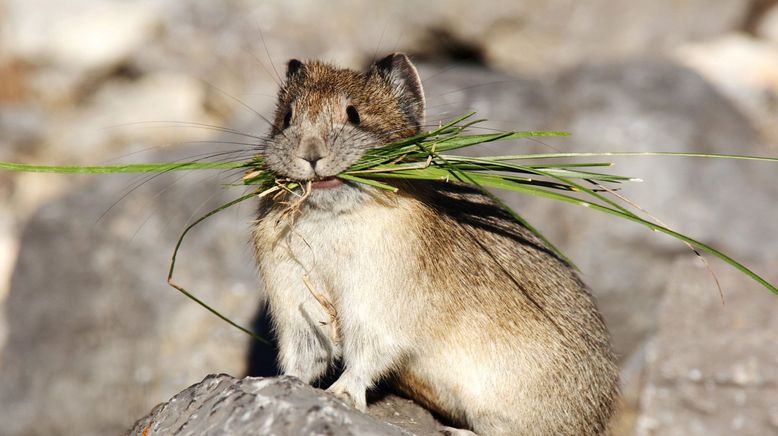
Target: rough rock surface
pixel 92 324
pixel 768 25
pixel 221 404
pixel 648 106
pixel 743 68
pixel 713 368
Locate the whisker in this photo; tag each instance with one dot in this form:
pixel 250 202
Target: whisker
pixel 242 103
pixel 174 144
pixel 262 64
pixel 441 71
pixel 249 144
pixel 162 191
pixel 479 85
pixel 187 124
pixel 126 155
pixel 380 40
pixel 151 177
pixel 267 52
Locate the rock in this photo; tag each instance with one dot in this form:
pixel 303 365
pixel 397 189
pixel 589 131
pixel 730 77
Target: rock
pixel 221 404
pixel 148 110
pixel 83 36
pixel 9 246
pixel 531 36
pixel 712 366
pixel 542 36
pixel 768 25
pixel 507 102
pixel 408 415
pixel 95 336
pixel 743 68
pixel 23 128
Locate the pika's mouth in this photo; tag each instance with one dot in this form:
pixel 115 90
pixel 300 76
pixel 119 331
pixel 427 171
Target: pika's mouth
pixel 326 183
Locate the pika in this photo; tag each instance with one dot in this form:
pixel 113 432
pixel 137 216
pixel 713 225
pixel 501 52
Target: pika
pixel 435 288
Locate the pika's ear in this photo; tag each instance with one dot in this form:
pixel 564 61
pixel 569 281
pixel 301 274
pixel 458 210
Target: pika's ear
pixel 402 76
pixel 293 67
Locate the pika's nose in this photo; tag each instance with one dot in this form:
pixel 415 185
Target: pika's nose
pixel 312 149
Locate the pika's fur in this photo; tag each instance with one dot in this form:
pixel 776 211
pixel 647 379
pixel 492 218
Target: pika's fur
pixel 436 288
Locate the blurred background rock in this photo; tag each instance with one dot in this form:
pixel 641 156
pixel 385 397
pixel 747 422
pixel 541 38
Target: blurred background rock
pixel 92 337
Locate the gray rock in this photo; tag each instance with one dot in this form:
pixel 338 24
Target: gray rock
pixel 522 36
pixel 149 99
pixel 743 68
pixel 655 106
pixel 85 36
pixel 768 25
pixel 22 129
pixel 92 324
pixel 537 35
pixel 221 404
pixel 404 413
pixel 712 368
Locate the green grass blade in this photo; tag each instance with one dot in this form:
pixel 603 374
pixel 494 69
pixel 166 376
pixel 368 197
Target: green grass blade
pixel 468 140
pixel 129 168
pixel 573 200
pixel 635 153
pixel 562 182
pixel 466 162
pixel 187 293
pixel 466 178
pixel 370 182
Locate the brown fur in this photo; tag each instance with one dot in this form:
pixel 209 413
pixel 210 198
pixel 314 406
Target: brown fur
pixel 462 307
pixel 381 112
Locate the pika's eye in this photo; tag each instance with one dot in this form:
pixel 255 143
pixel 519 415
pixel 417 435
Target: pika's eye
pixel 353 115
pixel 287 119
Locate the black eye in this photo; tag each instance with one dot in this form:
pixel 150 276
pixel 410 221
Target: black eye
pixel 287 119
pixel 353 115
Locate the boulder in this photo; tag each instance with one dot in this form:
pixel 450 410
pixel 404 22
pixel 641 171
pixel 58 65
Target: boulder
pixel 95 335
pixel 768 25
pixel 221 404
pixel 82 37
pixel 711 369
pixel 743 68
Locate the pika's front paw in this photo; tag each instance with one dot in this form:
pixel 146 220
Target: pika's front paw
pixel 350 393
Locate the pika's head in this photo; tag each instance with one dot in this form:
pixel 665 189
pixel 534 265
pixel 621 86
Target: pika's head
pixel 327 118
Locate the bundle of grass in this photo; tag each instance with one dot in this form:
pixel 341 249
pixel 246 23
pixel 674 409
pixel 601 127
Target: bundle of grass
pixel 428 156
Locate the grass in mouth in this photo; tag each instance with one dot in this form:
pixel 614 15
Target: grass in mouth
pixel 430 156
